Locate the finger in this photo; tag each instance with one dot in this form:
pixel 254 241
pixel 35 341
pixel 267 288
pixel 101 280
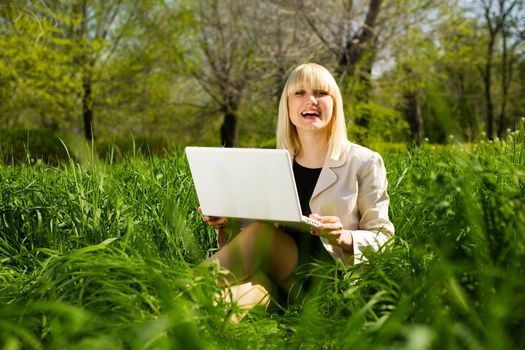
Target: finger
pixel 315 216
pixel 199 210
pixel 331 226
pixel 212 220
pixel 218 221
pixel 329 219
pixel 327 231
pixel 325 219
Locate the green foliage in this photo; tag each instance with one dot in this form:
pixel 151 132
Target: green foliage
pixel 117 57
pixel 440 121
pixel 385 124
pixel 104 255
pixel 38 85
pixel 141 61
pixel 100 297
pixel 31 146
pixel 122 147
pixel 463 221
pixel 42 145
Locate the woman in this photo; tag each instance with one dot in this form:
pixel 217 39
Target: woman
pixel 340 184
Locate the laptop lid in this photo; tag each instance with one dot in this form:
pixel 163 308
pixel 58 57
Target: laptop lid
pixel 245 183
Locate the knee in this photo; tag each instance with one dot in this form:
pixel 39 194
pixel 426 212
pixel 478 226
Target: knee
pixel 284 257
pixel 260 231
pixel 260 227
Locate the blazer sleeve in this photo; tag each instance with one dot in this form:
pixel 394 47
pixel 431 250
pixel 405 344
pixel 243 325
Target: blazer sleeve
pixel 375 227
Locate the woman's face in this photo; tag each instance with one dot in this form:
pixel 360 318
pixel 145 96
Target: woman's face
pixel 310 109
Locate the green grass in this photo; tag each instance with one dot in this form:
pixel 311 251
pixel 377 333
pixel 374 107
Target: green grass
pixel 105 255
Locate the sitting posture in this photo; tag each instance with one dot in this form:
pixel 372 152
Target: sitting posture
pixel 342 185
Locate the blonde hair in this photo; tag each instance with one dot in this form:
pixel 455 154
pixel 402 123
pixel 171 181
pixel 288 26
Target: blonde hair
pixel 311 76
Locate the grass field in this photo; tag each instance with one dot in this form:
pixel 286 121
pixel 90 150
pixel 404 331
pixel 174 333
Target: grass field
pixel 104 255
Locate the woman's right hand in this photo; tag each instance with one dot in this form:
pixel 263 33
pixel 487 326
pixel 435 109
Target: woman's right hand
pixel 217 223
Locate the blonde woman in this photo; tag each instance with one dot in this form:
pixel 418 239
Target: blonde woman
pixel 340 184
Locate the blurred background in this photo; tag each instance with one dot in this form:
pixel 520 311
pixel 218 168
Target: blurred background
pixel 210 72
pixel 100 254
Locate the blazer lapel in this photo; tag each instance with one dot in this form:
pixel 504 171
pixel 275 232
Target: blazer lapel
pixel 327 177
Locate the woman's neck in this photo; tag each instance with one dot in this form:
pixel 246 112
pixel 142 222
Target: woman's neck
pixel 314 148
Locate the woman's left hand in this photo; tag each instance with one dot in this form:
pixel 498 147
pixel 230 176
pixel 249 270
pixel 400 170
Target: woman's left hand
pixel 332 230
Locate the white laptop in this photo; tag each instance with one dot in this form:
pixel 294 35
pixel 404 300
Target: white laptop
pixel 247 183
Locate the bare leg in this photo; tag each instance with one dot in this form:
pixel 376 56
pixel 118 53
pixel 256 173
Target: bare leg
pixel 258 257
pixel 253 293
pixel 259 248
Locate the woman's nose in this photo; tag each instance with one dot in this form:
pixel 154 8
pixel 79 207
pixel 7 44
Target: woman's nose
pixel 312 99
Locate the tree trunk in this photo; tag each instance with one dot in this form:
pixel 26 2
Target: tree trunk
pixel 80 11
pixel 87 108
pixel 414 117
pixel 357 60
pixel 361 43
pixel 506 67
pixel 487 81
pixel 229 129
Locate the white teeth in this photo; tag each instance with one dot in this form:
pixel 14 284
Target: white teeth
pixel 312 113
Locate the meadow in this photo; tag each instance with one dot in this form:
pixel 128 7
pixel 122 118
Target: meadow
pixel 104 254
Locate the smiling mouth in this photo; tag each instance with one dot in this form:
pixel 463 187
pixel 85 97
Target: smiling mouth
pixel 310 114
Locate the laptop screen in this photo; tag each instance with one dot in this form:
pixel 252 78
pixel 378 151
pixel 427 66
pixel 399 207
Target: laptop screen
pixel 245 183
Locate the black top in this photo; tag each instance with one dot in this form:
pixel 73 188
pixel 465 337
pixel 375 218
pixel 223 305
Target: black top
pixel 309 247
pixel 305 180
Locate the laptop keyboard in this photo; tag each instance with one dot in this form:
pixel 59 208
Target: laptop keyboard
pixel 312 222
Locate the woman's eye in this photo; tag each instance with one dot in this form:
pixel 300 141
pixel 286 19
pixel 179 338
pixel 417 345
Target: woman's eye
pixel 299 93
pixel 321 93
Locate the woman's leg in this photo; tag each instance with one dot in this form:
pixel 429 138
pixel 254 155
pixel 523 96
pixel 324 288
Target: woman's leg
pixel 256 257
pixel 251 293
pixel 259 248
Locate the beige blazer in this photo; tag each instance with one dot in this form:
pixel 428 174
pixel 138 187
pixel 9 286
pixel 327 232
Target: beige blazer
pixel 354 188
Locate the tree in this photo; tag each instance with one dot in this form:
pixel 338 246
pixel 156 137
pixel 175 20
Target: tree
pixel 503 20
pixel 433 73
pixel 143 86
pixel 356 34
pixel 98 26
pixel 512 36
pixel 409 82
pixel 228 58
pixel 65 62
pixel 348 32
pixel 37 78
pixel 459 58
pixel 280 44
